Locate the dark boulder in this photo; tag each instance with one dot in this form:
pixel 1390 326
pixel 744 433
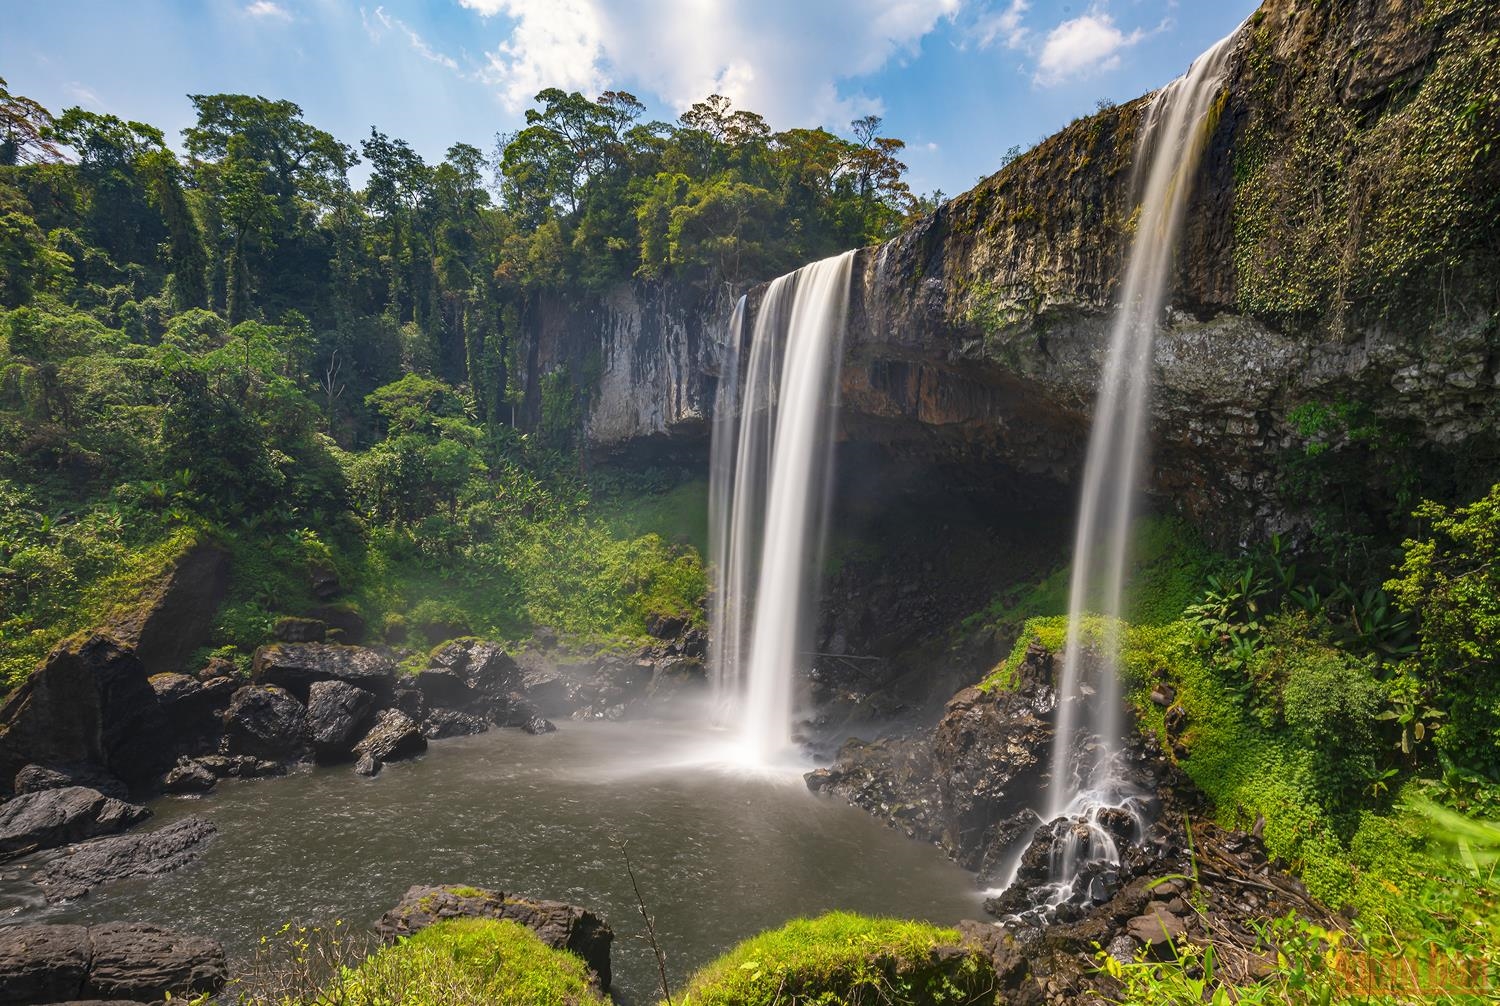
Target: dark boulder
pixel 561 926
pixel 189 776
pixel 240 766
pixel 173 615
pixel 394 735
pixel 265 723
pixel 338 713
pixel 440 723
pixel 970 784
pixel 56 817
pixel 193 709
pixel 134 960
pixel 299 630
pixel 36 778
pixel 486 671
pixel 43 964
pixel 665 626
pixel 82 867
pixel 90 703
pixel 410 700
pixel 345 623
pixel 295 666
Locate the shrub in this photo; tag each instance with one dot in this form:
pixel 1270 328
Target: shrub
pixel 842 958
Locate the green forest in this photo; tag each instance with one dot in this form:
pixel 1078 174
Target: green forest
pixel 239 343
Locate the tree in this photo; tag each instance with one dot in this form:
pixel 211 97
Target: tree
pixel 24 129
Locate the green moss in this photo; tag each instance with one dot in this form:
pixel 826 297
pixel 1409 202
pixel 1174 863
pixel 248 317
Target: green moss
pixel 1366 209
pixel 468 962
pixel 842 958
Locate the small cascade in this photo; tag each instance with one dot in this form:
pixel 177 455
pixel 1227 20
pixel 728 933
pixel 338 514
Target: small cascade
pixel 1087 787
pixel 773 440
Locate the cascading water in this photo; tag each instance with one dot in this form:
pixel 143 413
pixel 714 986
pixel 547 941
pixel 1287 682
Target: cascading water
pixel 1086 784
pixel 769 506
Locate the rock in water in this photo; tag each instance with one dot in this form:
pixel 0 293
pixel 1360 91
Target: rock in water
pixel 440 723
pixel 111 962
pixel 559 925
pixel 56 817
pixel 265 723
pixel 337 712
pixel 85 866
pixel 189 776
pixel 394 735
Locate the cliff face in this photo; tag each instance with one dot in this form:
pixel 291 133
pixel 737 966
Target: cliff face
pixel 1341 250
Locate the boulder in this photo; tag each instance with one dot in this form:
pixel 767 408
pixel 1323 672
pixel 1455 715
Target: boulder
pixel 561 926
pixel 345 623
pixel 82 867
pixel 367 765
pixel 394 735
pixel 299 630
pixel 970 784
pixel 409 699
pixel 440 723
pixel 1157 927
pixel 295 666
pixel 134 960
pixel 56 817
pixel 43 964
pixel 89 703
pixel 173 615
pixel 192 708
pixel 189 776
pixel 485 670
pixel 337 714
pixel 36 778
pixel 240 766
pixel 265 723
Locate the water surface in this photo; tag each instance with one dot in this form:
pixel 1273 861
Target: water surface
pixel 720 854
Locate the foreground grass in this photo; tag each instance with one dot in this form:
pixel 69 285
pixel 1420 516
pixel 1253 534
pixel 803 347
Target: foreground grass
pixel 466 962
pixel 842 958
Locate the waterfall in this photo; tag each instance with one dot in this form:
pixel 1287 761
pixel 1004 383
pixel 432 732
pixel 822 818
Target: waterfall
pixel 772 443
pixel 1085 781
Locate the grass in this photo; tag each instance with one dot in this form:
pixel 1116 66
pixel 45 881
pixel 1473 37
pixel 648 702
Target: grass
pixel 466 962
pixel 843 958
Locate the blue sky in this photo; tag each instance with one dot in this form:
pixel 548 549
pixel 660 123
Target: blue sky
pixel 960 80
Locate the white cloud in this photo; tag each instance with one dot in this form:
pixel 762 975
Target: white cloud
pixel 267 10
pixel 1082 47
pixel 1004 27
pixel 684 50
pixel 418 43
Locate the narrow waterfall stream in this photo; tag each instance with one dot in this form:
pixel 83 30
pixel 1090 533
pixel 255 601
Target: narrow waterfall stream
pixel 1085 782
pixel 776 496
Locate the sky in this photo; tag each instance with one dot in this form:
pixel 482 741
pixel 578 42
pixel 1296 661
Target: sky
pixel 961 81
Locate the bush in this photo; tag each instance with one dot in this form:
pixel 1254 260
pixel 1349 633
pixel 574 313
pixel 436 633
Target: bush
pixel 1450 579
pixel 842 958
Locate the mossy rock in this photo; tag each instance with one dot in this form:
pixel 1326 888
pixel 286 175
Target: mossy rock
pixel 842 958
pixel 468 962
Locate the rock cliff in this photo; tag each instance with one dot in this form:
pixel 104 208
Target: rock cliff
pixel 1340 250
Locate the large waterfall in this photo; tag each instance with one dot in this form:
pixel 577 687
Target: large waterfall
pixel 772 444
pixel 1085 779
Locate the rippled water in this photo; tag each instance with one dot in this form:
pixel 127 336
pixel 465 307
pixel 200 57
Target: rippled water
pixel 720 855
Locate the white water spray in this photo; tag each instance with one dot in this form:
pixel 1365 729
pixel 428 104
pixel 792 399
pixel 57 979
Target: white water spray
pixel 770 536
pixel 1085 778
